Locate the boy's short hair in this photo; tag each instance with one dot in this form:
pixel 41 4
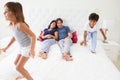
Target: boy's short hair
pixel 59 19
pixel 94 16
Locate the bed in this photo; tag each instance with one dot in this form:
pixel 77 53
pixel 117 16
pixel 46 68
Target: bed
pixel 85 66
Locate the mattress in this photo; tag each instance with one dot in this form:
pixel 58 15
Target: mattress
pixel 85 66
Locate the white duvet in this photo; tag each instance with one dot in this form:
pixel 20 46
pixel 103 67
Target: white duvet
pixel 85 66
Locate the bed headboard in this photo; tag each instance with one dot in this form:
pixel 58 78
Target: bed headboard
pixel 38 19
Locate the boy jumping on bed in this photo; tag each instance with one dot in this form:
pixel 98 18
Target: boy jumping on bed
pixel 90 32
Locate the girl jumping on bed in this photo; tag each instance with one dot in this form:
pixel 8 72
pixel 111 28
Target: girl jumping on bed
pixel 90 31
pixel 22 34
pixel 64 40
pixel 50 35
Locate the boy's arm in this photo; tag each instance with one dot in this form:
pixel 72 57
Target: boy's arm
pixel 103 34
pixel 85 35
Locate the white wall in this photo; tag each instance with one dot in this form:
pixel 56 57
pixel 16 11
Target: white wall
pixel 107 9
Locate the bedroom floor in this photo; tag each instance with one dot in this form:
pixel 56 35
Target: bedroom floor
pixel 117 63
pixel 113 52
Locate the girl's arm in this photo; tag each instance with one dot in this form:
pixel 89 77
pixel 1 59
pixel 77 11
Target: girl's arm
pixel 10 43
pixel 23 27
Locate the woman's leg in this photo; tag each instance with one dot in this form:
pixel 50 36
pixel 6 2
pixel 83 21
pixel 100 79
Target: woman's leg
pixel 45 47
pixel 20 68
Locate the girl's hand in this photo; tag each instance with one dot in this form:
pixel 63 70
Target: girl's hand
pixel 3 49
pixel 32 53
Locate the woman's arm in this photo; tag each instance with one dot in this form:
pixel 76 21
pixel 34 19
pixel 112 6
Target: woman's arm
pixel 50 36
pixel 55 35
pixel 42 35
pixel 23 27
pixel 10 43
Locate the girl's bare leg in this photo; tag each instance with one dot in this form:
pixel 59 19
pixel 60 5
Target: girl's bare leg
pixel 17 59
pixel 20 68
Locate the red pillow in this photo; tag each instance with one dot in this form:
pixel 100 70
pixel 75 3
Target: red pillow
pixel 74 38
pixel 40 37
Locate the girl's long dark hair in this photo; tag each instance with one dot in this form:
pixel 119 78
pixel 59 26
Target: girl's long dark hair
pixel 17 10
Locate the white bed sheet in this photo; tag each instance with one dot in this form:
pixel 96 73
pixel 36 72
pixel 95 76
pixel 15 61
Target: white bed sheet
pixel 85 66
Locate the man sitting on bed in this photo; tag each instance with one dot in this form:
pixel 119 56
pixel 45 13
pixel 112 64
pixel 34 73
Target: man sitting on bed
pixel 90 32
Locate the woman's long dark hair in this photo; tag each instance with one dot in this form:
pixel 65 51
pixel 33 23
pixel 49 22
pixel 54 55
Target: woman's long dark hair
pixel 51 23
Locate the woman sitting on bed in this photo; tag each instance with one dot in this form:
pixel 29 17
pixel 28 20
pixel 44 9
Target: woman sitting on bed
pixel 50 35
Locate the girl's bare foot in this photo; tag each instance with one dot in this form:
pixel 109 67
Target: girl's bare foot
pixel 19 78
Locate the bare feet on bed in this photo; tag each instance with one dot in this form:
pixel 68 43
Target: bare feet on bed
pixel 20 78
pixel 67 57
pixel 42 55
